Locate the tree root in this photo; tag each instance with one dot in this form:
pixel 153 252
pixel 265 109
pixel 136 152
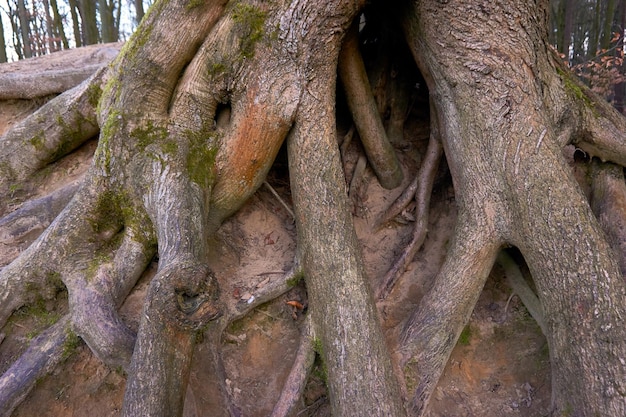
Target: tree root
pixel 26 79
pixel 608 202
pixel 26 223
pixel 42 356
pixel 53 131
pixel 348 328
pixel 299 374
pixel 516 281
pixel 424 183
pixel 364 111
pixel 431 332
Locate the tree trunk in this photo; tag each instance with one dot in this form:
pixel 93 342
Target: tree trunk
pixel 78 38
pixel 24 29
pixel 138 11
pixel 107 21
pixel 3 49
pixel 498 138
pixel 59 30
pixel 89 22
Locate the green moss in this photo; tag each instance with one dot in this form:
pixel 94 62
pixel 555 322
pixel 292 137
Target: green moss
pixel 320 370
pixel 194 3
pixel 169 147
pixel 108 213
pixel 147 135
pixel 53 279
pixel 94 92
pixel 466 336
pixel 217 68
pixel 109 129
pixel 250 22
pixel 71 344
pixel 573 88
pixel 295 280
pixel 38 140
pixel 41 316
pixel 317 346
pixel 201 157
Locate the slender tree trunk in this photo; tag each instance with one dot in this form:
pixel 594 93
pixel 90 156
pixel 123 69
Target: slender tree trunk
pixel 607 27
pixel 3 49
pixel 570 8
pixel 138 10
pixel 59 29
pixel 619 89
pixel 24 29
pixel 49 27
pixel 78 37
pixel 87 9
pixel 107 22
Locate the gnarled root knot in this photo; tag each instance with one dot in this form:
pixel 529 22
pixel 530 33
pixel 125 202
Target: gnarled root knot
pixel 185 295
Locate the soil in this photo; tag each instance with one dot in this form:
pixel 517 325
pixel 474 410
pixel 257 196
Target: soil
pixel 500 366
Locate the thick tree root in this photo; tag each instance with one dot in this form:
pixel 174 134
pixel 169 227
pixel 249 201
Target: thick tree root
pixel 608 202
pixel 95 299
pixel 348 327
pixel 25 79
pixel 42 356
pixel 30 220
pixel 432 331
pixel 424 180
pixel 364 111
pixel 53 131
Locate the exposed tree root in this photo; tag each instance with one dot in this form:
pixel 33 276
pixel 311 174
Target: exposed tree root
pixel 430 334
pixel 38 77
pixel 424 181
pixel 316 173
pixel 57 128
pixel 300 371
pixel 364 111
pixel 31 219
pixel 42 356
pixel 516 281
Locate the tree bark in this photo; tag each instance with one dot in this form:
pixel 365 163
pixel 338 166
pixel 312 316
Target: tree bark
pixel 498 140
pixel 24 29
pixel 3 49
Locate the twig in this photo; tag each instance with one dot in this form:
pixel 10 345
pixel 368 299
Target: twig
pixel 280 200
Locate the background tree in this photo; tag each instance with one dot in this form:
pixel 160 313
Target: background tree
pixel 3 50
pixel 187 136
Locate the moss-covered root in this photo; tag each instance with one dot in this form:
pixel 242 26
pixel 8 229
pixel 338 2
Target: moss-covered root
pixel 303 364
pixel 43 354
pixel 57 128
pixel 365 113
pixel 95 297
pixel 599 129
pixel 66 243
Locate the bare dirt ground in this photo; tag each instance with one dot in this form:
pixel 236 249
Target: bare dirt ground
pixel 500 366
